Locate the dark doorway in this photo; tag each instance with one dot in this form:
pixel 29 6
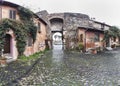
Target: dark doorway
pixel 7 43
pixel 108 43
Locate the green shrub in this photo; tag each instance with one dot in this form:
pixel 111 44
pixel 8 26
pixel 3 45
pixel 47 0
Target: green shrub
pixel 81 46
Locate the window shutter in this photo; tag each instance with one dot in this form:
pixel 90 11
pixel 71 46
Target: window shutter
pixel 14 14
pixel 10 14
pixel 39 27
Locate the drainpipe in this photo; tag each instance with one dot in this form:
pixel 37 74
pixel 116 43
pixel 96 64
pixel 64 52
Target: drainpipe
pixel 62 39
pixel 85 39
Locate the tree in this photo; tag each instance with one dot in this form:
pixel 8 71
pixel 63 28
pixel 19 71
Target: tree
pixel 113 32
pixel 116 31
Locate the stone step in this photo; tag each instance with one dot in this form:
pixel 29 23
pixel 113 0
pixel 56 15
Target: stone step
pixel 10 60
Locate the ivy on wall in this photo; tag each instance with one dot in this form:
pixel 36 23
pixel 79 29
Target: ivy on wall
pixel 27 18
pixel 22 29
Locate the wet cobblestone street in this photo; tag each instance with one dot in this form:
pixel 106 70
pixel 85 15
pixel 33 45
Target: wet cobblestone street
pixel 58 68
pixel 12 71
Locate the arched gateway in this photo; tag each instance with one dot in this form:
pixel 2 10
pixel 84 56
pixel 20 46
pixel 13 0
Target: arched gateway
pixel 57 33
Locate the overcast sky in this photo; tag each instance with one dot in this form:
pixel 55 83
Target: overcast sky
pixel 107 11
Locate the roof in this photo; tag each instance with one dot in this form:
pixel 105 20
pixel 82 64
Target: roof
pixel 6 3
pixel 101 23
pixel 91 29
pixel 79 15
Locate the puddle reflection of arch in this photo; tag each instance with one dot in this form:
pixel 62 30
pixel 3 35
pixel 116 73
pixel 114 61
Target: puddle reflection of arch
pixel 57 57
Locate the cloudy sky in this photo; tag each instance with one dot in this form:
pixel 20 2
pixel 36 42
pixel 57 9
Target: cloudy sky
pixel 107 11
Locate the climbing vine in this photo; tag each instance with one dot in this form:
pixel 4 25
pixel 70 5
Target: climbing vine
pixel 22 29
pixel 27 18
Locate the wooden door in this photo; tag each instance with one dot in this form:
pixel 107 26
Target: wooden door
pixel 7 44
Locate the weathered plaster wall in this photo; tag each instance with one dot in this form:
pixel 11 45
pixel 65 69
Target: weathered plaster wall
pixel 39 44
pixel 5 12
pixel 89 38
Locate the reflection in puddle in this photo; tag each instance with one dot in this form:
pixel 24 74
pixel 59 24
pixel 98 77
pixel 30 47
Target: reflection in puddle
pixel 57 54
pixel 57 47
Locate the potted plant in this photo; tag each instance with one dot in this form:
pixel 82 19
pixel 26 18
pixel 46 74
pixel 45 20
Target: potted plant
pixel 81 47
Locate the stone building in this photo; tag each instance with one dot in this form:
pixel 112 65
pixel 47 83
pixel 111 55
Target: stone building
pixel 9 10
pixel 74 25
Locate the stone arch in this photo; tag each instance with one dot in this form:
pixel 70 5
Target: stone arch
pixel 12 46
pixel 56 17
pixel 56 27
pixel 56 24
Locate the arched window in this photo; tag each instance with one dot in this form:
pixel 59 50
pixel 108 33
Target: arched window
pixel 81 37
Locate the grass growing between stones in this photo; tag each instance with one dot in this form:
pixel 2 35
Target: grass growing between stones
pixel 31 57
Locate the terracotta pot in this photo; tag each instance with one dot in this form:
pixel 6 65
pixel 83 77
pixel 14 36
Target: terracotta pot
pixel 94 51
pixel 3 62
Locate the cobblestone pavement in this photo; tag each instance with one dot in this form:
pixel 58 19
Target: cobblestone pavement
pixel 12 71
pixel 58 68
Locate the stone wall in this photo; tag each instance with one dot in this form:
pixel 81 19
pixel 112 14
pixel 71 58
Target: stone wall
pixel 74 20
pixel 71 22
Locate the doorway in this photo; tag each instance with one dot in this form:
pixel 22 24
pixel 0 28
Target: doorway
pixel 7 43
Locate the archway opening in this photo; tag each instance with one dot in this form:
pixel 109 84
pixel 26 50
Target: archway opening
pixel 57 40
pixel 57 33
pixel 56 24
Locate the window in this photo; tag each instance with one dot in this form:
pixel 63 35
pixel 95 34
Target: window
pixel 97 37
pixel 30 41
pixel 39 27
pixel 12 14
pixel 81 37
